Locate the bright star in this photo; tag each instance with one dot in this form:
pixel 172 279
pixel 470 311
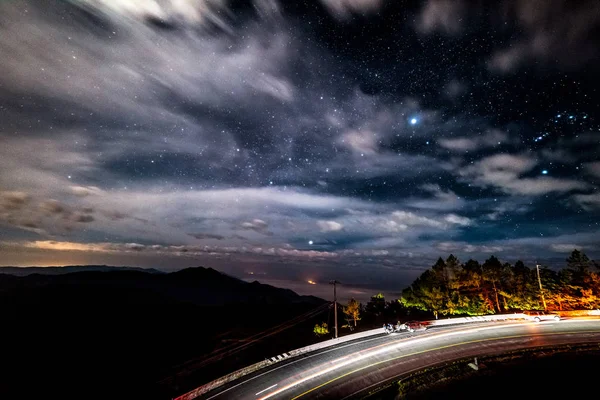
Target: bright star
pixel 310 242
pixel 413 121
pixel 545 172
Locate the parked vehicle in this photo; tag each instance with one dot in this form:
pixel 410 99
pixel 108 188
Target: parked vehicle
pixel 538 316
pixel 409 326
pixel 412 326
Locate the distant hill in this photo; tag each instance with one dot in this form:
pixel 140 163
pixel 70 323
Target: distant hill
pixel 136 333
pixel 23 271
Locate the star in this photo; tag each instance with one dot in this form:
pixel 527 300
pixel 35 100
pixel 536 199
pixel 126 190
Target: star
pixel 545 172
pixel 413 121
pixel 310 242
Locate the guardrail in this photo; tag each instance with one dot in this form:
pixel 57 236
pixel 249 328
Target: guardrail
pixel 255 367
pixel 332 342
pixel 482 318
pixel 223 380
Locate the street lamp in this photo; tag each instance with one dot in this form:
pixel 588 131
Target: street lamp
pixel 334 282
pixel 537 266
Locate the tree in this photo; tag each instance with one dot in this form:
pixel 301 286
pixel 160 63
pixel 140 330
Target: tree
pixel 579 264
pixel 352 310
pixel 473 289
pixel 376 306
pixel 471 275
pixel 452 269
pixel 321 330
pixel 578 261
pixel 492 274
pixel 426 292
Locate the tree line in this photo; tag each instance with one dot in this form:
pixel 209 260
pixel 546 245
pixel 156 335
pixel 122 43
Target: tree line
pixel 452 288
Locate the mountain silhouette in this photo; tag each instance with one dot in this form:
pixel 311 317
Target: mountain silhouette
pixel 130 332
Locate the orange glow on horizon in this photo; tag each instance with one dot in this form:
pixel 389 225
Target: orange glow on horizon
pixel 312 282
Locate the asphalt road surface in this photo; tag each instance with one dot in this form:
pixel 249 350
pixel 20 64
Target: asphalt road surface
pixel 351 369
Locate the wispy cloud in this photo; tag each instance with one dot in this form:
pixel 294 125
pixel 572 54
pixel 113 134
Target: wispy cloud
pixel 345 8
pixel 446 16
pixel 492 138
pixel 505 172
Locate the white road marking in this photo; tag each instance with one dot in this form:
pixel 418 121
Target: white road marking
pixel 264 390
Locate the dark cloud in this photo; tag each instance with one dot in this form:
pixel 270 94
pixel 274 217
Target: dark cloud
pixel 13 200
pixel 557 33
pixel 52 207
pixel 202 236
pixel 83 218
pixel 114 215
pixel 356 137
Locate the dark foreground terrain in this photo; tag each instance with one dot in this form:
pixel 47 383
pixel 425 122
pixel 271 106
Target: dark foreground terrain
pixel 558 373
pixel 135 334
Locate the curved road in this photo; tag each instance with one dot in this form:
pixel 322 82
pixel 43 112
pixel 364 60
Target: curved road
pixel 349 369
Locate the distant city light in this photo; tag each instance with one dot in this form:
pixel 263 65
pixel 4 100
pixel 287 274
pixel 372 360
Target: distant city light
pixel 312 282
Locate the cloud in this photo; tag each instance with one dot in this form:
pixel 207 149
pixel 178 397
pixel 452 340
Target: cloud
pixel 444 16
pixel 588 202
pixel 52 207
pixel 202 236
pixel 365 142
pixel 491 138
pixel 82 191
pixel 564 248
pixel 345 8
pixel 229 71
pixel 458 220
pixel 464 247
pixel 257 225
pixel 157 249
pixel 441 200
pixel 13 200
pixel 554 33
pixel 454 89
pixel 193 12
pixel 83 218
pixel 68 246
pixel 329 226
pixel 593 168
pixel 504 171
pixel 404 218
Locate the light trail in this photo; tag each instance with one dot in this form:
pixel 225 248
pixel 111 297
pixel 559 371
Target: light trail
pixel 372 352
pixel 430 350
pixel 264 390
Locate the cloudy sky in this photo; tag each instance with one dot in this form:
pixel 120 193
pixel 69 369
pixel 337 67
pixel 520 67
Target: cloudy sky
pixel 355 140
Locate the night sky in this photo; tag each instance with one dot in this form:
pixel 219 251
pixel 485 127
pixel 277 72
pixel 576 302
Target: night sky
pixel 283 141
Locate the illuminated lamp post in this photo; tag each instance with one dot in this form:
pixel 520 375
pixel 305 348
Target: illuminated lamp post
pixel 537 266
pixel 334 282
